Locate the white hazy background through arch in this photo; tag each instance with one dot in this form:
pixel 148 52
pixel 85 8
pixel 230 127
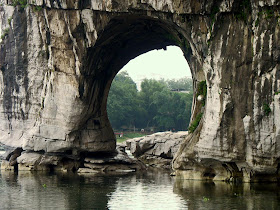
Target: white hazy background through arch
pixel 158 64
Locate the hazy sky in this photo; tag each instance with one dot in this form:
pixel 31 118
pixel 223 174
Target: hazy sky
pixel 157 64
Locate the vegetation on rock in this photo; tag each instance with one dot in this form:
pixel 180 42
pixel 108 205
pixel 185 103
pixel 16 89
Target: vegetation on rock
pixel 21 3
pixel 202 90
pixel 6 32
pixel 266 109
pixel 195 122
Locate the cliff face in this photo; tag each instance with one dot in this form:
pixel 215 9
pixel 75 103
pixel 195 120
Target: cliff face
pixel 58 59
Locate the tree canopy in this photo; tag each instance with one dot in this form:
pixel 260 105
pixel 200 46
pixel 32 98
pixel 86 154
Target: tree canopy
pixel 154 106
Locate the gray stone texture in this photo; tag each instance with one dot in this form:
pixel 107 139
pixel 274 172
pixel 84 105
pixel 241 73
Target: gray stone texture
pixel 157 149
pixel 58 58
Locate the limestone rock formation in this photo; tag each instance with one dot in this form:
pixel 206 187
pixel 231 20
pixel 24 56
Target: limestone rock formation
pixel 58 59
pixel 157 149
pixel 119 162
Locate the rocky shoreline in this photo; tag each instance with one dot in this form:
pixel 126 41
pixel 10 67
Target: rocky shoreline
pixel 119 161
pixel 156 150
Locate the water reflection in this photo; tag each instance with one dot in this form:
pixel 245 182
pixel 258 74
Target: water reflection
pixel 150 190
pixel 41 191
pixel 221 195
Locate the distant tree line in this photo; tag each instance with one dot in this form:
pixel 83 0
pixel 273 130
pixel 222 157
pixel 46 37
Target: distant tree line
pixel 154 106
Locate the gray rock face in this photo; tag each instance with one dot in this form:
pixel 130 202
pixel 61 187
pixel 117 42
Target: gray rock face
pixel 157 149
pixel 58 59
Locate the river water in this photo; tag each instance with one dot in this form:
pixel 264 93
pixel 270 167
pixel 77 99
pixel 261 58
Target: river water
pixel 149 190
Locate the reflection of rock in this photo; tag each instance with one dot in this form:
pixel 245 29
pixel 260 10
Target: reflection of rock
pixel 157 149
pixel 5 165
pixel 222 195
pixel 27 190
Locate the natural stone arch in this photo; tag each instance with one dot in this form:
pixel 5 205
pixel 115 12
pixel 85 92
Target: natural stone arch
pixel 46 81
pixel 124 38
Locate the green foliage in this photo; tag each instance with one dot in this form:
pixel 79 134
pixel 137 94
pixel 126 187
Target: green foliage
pixel 10 20
pixel 214 11
pixel 122 101
pixel 5 33
pixel 206 199
pixel 277 92
pixel 182 84
pixel 267 14
pixel 154 106
pixel 22 3
pixel 202 90
pixel 172 109
pixel 37 8
pixel 195 122
pixel 244 10
pixel 266 109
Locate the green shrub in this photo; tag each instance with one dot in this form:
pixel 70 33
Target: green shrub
pixel 202 90
pixel 10 20
pixel 244 10
pixel 37 8
pixel 195 123
pixel 266 109
pixel 21 3
pixel 6 32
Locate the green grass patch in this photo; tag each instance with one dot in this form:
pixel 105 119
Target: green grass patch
pixel 129 136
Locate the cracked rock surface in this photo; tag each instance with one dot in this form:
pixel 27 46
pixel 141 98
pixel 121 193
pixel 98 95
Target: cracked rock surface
pixel 58 59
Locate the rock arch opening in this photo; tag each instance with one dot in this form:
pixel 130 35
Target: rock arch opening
pixel 124 38
pixel 152 93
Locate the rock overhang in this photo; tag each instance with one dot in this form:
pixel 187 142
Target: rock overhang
pixel 78 46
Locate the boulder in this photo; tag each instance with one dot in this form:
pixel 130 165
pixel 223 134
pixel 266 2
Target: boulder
pixel 119 162
pixel 157 149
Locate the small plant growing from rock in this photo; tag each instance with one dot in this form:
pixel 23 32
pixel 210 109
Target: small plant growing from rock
pixel 37 8
pixel 22 3
pixel 266 109
pixel 195 123
pixel 202 90
pixel 244 10
pixel 10 20
pixel 6 32
pixel 206 199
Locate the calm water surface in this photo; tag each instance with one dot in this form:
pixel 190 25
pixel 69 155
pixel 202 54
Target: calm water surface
pixel 150 190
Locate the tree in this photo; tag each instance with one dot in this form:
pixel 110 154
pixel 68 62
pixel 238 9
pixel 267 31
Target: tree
pixel 173 110
pixel 155 105
pixel 182 84
pixel 122 101
pixel 150 87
